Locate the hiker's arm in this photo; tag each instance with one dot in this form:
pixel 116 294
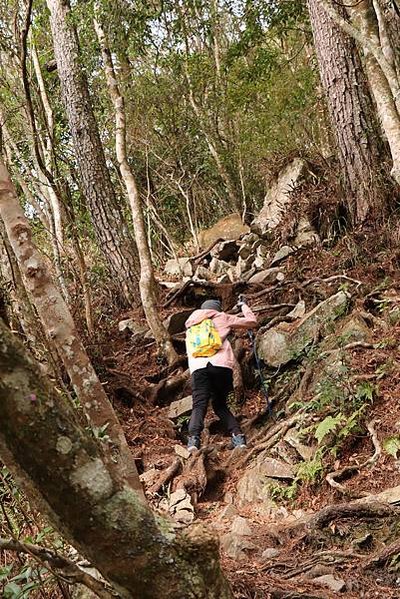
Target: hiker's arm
pixel 247 321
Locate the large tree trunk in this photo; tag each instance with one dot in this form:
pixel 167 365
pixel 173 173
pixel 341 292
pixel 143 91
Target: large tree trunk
pixel 111 231
pixel 59 326
pixel 351 114
pixel 147 283
pixel 67 471
pixel 381 72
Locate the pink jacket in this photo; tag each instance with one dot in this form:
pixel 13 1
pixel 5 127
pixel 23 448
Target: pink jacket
pixel 223 323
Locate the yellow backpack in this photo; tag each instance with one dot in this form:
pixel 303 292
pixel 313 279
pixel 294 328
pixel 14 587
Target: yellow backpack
pixel 203 339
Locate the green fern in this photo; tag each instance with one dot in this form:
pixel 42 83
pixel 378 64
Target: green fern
pixel 392 446
pixel 328 425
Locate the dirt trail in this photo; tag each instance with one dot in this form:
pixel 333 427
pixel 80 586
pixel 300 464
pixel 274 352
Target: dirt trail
pixel 343 550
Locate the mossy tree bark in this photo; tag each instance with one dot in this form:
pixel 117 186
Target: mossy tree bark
pixel 70 474
pixel 60 327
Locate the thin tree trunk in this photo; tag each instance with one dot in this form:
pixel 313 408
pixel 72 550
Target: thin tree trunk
pixel 59 325
pixel 70 477
pixel 147 283
pixel 111 231
pixel 351 114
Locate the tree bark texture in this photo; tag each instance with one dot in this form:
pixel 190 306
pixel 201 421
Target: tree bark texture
pixel 386 93
pixel 381 73
pixel 59 326
pixel 112 233
pixel 147 282
pixel 71 473
pixel 351 114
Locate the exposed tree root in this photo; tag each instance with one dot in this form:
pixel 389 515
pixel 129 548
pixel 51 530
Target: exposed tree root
pixel 194 476
pixel 380 558
pixel 288 570
pixel 353 345
pixel 347 470
pixel 331 279
pixel 160 393
pixel 355 509
pixel 166 477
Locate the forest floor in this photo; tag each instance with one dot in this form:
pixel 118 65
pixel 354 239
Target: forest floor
pixel 346 546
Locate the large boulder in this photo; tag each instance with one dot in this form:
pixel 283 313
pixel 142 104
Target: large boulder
pixel 278 197
pixel 176 268
pixel 286 341
pixel 175 323
pixel 254 486
pixel 229 227
pixel 181 407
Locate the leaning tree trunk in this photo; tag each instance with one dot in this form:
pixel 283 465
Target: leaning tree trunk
pixel 112 233
pixel 147 283
pixel 351 114
pixel 59 326
pixel 69 473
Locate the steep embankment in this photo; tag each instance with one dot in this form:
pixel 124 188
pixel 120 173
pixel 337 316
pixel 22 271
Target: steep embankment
pixel 309 510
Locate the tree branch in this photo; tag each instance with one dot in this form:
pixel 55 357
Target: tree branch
pixel 67 568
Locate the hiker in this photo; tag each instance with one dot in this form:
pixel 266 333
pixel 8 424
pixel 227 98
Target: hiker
pixel 211 362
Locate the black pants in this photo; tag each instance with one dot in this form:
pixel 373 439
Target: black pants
pixel 215 383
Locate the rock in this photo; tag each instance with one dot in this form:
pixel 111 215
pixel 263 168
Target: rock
pixel 243 266
pixel 228 512
pixel 318 570
pixel 229 227
pixel 180 507
pixel 181 407
pixel 149 476
pixel 292 437
pixel 226 250
pixel 354 328
pixel 264 275
pixel 235 546
pixel 305 234
pixel 130 325
pixel 282 253
pixel 202 274
pixel 287 341
pixel 278 197
pixel 175 323
pixel 253 487
pixel 182 452
pixel 223 279
pixel 273 468
pixel 176 268
pixel 240 526
pixel 219 267
pixel 298 311
pixel 168 284
pixel 330 582
pixel 280 276
pixel 270 553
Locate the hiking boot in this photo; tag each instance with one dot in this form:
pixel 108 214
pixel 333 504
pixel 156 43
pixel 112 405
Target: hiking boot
pixel 239 441
pixel 193 443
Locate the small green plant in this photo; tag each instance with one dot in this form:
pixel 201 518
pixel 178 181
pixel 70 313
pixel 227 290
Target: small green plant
pixel 310 472
pixel 328 425
pixel 284 493
pixel 392 446
pixel 100 432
